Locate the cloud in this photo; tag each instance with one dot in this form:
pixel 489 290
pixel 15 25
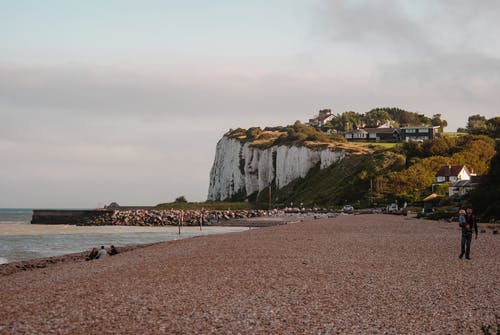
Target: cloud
pixel 376 26
pixel 96 129
pixel 85 90
pixel 411 29
pixel 428 56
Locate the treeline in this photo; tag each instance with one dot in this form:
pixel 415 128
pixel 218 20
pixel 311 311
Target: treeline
pixel 486 198
pixel 479 125
pixel 376 117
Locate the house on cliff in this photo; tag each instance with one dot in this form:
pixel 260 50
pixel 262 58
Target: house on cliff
pixel 321 119
pixel 388 134
pixel 356 134
pixel 373 134
pixel 419 134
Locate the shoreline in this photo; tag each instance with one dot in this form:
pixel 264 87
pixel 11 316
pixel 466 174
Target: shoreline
pixel 22 229
pixel 7 269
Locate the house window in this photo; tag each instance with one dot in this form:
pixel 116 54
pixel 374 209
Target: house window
pixel 440 179
pixel 453 178
pixel 423 130
pixel 410 130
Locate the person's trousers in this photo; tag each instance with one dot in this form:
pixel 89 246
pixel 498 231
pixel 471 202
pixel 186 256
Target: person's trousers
pixel 465 244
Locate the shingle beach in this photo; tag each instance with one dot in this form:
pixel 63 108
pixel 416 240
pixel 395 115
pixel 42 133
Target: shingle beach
pixel 355 274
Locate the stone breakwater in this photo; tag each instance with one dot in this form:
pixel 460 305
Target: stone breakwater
pixel 147 217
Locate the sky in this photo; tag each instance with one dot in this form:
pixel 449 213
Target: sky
pixel 124 100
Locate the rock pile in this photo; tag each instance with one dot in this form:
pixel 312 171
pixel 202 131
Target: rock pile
pixel 172 217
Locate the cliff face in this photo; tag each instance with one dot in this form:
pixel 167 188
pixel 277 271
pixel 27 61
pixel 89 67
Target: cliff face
pixel 240 169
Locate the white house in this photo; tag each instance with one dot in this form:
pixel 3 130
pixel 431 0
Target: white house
pixel 452 173
pixel 356 134
pixel 322 119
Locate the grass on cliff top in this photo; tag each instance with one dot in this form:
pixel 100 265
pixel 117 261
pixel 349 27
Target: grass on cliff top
pixel 211 205
pixel 298 134
pixel 374 145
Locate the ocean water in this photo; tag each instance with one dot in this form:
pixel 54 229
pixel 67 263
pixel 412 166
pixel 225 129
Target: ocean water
pixel 19 240
pixel 15 215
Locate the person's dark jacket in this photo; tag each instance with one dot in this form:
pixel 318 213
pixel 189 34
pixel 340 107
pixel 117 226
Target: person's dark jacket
pixel 471 221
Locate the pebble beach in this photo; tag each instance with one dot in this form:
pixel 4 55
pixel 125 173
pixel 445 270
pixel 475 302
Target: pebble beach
pixel 353 274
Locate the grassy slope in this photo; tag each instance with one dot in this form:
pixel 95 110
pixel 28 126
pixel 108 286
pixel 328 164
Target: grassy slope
pixel 344 181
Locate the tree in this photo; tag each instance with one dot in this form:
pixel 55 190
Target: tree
pixel 476 124
pixel 437 121
pixel 346 121
pixel 376 117
pixel 486 198
pixel 493 127
pixel 181 199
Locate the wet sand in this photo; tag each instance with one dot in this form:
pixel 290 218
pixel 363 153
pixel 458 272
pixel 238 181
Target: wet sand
pixel 363 274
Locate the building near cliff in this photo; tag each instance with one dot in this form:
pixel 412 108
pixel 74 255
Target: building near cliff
pixel 387 134
pixel 324 116
pixel 453 173
pixel 241 170
pixel 419 133
pixel 462 187
pixel 374 134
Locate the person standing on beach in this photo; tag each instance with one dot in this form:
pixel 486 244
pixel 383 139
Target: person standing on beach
pixel 468 224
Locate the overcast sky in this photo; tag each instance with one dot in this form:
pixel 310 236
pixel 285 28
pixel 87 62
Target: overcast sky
pixel 125 101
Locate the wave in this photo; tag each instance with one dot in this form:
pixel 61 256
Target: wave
pixel 14 222
pixel 3 260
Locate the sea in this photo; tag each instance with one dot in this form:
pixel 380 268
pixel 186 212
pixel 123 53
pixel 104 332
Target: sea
pixel 20 240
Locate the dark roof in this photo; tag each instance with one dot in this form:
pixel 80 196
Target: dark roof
pixel 452 170
pixel 323 117
pixel 358 131
pixel 415 127
pixel 380 130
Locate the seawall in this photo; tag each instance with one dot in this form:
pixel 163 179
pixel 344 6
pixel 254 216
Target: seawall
pixel 71 217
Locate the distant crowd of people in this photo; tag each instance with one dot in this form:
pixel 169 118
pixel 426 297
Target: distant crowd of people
pixel 101 253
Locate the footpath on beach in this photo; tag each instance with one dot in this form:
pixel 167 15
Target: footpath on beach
pixel 354 274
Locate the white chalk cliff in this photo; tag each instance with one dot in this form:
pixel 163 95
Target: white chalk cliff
pixel 240 168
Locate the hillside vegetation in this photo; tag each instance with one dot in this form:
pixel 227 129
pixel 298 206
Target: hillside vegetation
pixel 404 172
pixel 486 198
pixel 297 134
